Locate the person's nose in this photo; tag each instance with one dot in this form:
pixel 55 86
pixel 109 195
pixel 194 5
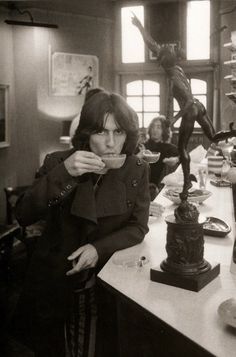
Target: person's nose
pixel 110 140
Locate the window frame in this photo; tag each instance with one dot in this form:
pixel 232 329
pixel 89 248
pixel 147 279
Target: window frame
pixel 159 78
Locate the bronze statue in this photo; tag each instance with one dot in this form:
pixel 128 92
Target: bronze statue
pixel 191 109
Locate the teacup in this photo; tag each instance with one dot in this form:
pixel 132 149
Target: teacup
pixel 113 161
pixel 151 157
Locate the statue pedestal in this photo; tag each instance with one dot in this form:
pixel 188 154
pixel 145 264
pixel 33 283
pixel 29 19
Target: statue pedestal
pixel 185 266
pixel 193 283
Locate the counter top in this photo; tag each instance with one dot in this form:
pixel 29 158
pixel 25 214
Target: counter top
pixel 193 314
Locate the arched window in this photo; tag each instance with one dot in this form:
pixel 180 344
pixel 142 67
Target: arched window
pixel 144 97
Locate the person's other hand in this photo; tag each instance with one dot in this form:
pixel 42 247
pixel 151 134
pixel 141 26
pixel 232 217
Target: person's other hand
pixel 83 258
pixel 81 162
pixel 143 151
pixel 140 154
pixel 171 161
pixel 155 209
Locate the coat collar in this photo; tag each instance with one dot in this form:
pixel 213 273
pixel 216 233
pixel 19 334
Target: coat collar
pixel 110 199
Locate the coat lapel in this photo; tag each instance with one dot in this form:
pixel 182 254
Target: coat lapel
pixel 111 196
pixel 110 199
pixel 84 204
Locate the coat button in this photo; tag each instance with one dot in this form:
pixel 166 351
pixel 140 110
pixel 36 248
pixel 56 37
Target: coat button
pixel 129 203
pixel 138 162
pixel 68 187
pixel 134 183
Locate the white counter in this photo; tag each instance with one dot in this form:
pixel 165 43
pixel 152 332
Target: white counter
pixel 193 314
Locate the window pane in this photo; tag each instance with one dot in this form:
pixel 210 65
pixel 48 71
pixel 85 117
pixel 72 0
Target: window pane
pixel 151 104
pixel 140 119
pixel 177 124
pixel 135 103
pixel 198 86
pixel 198 30
pixel 132 42
pixel 176 106
pixel 148 118
pixel 151 87
pixel 134 88
pixel 202 99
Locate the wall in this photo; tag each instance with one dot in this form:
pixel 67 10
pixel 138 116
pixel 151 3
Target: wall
pixel 8 155
pixel 38 116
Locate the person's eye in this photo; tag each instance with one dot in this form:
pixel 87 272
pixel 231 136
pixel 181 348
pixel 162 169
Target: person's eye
pixel 119 131
pixel 100 132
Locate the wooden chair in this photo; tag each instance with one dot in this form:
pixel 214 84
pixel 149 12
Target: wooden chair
pixel 28 235
pixel 7 235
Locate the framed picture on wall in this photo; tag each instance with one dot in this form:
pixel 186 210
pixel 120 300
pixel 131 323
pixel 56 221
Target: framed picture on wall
pixel 72 74
pixel 4 119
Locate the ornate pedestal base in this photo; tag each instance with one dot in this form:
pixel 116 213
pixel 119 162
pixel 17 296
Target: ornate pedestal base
pixel 193 283
pixel 185 266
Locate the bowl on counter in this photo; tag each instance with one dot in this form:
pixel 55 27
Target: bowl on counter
pixel 195 195
pixel 216 227
pixel 227 312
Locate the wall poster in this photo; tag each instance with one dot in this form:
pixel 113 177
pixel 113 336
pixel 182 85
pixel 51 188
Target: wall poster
pixel 4 119
pixel 73 74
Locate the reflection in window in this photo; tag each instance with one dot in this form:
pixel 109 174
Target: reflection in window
pixel 198 30
pixel 199 91
pixel 132 42
pixel 144 97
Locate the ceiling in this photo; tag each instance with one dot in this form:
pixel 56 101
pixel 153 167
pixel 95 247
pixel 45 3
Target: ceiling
pixel 74 6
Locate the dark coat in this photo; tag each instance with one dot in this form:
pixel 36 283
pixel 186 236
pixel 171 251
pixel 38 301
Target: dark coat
pixel 158 169
pixel 113 219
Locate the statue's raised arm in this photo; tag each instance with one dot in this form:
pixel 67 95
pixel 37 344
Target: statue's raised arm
pixel 149 41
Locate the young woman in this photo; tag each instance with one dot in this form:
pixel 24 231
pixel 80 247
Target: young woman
pixel 90 212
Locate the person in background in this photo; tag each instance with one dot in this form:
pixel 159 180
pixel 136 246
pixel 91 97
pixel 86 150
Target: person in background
pixel 91 212
pixel 159 136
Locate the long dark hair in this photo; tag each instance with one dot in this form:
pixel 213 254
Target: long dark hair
pixel 94 110
pixel 165 125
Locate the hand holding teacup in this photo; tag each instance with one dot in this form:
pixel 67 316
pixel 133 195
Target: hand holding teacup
pixel 81 162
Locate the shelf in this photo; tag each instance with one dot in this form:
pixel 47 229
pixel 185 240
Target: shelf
pixel 231 63
pixel 230 46
pixel 230 77
pixel 231 96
